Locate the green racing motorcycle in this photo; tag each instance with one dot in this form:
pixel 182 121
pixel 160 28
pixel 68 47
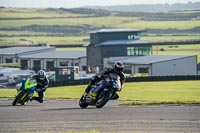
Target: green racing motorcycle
pixel 25 91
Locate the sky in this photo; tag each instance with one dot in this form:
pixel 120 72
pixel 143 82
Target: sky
pixel 80 3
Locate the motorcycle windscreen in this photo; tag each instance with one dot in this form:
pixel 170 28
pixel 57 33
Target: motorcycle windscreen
pixel 116 78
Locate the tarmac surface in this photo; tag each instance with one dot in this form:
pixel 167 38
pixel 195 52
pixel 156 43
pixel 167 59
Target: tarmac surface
pixel 66 115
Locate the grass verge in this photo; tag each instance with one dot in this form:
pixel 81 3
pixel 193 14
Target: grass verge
pixel 135 93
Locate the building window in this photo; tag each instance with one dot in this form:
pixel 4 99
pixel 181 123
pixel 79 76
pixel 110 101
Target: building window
pixel 50 65
pixel 146 50
pixel 130 51
pixel 76 70
pixel 143 70
pixel 9 60
pixel 24 64
pixel 94 39
pixel 64 71
pixel 84 68
pixel 138 51
pixel 64 63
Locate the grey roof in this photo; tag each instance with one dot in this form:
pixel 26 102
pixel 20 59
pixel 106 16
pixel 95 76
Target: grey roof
pixel 124 42
pixel 116 30
pixel 145 60
pixel 62 54
pixel 20 50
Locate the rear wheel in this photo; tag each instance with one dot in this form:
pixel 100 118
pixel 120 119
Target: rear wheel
pixel 103 98
pixel 82 102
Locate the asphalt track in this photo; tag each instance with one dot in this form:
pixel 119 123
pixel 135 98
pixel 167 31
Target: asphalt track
pixel 65 115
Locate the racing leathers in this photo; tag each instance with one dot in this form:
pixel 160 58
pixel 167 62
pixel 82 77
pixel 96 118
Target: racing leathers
pixel 41 87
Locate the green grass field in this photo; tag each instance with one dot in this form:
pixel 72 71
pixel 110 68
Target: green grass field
pixel 94 21
pixel 170 38
pixel 161 24
pixel 13 34
pixel 176 92
pixel 48 39
pixel 35 14
pixel 178 50
pixel 162 92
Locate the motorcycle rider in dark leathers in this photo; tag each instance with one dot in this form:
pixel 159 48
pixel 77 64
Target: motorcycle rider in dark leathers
pixel 42 84
pixel 117 68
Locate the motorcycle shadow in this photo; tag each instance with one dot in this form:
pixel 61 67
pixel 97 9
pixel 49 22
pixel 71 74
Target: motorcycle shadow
pixel 5 105
pixel 58 109
pixel 18 105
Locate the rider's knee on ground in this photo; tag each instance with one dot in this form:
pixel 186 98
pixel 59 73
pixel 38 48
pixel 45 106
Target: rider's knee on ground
pixel 41 100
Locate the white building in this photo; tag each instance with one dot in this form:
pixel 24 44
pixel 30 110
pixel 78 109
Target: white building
pixel 11 54
pixel 54 59
pixel 159 65
pixel 46 58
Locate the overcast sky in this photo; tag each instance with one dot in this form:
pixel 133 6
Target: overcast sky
pixel 80 3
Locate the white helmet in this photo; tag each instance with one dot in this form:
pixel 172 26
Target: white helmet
pixel 41 74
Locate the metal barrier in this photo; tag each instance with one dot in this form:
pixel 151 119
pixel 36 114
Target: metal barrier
pixel 131 79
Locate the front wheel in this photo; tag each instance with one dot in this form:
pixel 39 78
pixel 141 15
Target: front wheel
pixel 103 98
pixel 82 102
pixel 17 98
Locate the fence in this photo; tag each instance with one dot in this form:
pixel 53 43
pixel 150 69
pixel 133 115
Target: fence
pixel 133 79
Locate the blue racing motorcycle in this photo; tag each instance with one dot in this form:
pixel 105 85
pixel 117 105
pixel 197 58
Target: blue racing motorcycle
pixel 107 90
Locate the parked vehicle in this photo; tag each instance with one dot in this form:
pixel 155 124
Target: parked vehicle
pixel 109 86
pixel 25 91
pixel 17 78
pixel 2 86
pixel 5 72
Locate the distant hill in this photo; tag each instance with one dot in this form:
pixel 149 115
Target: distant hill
pixel 151 7
pixel 88 11
pixel 27 26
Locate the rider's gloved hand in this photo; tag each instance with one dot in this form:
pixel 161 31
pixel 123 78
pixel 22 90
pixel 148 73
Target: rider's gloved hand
pixel 37 90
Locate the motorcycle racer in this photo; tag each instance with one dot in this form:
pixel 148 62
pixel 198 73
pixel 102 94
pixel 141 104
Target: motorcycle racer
pixel 117 68
pixel 42 84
